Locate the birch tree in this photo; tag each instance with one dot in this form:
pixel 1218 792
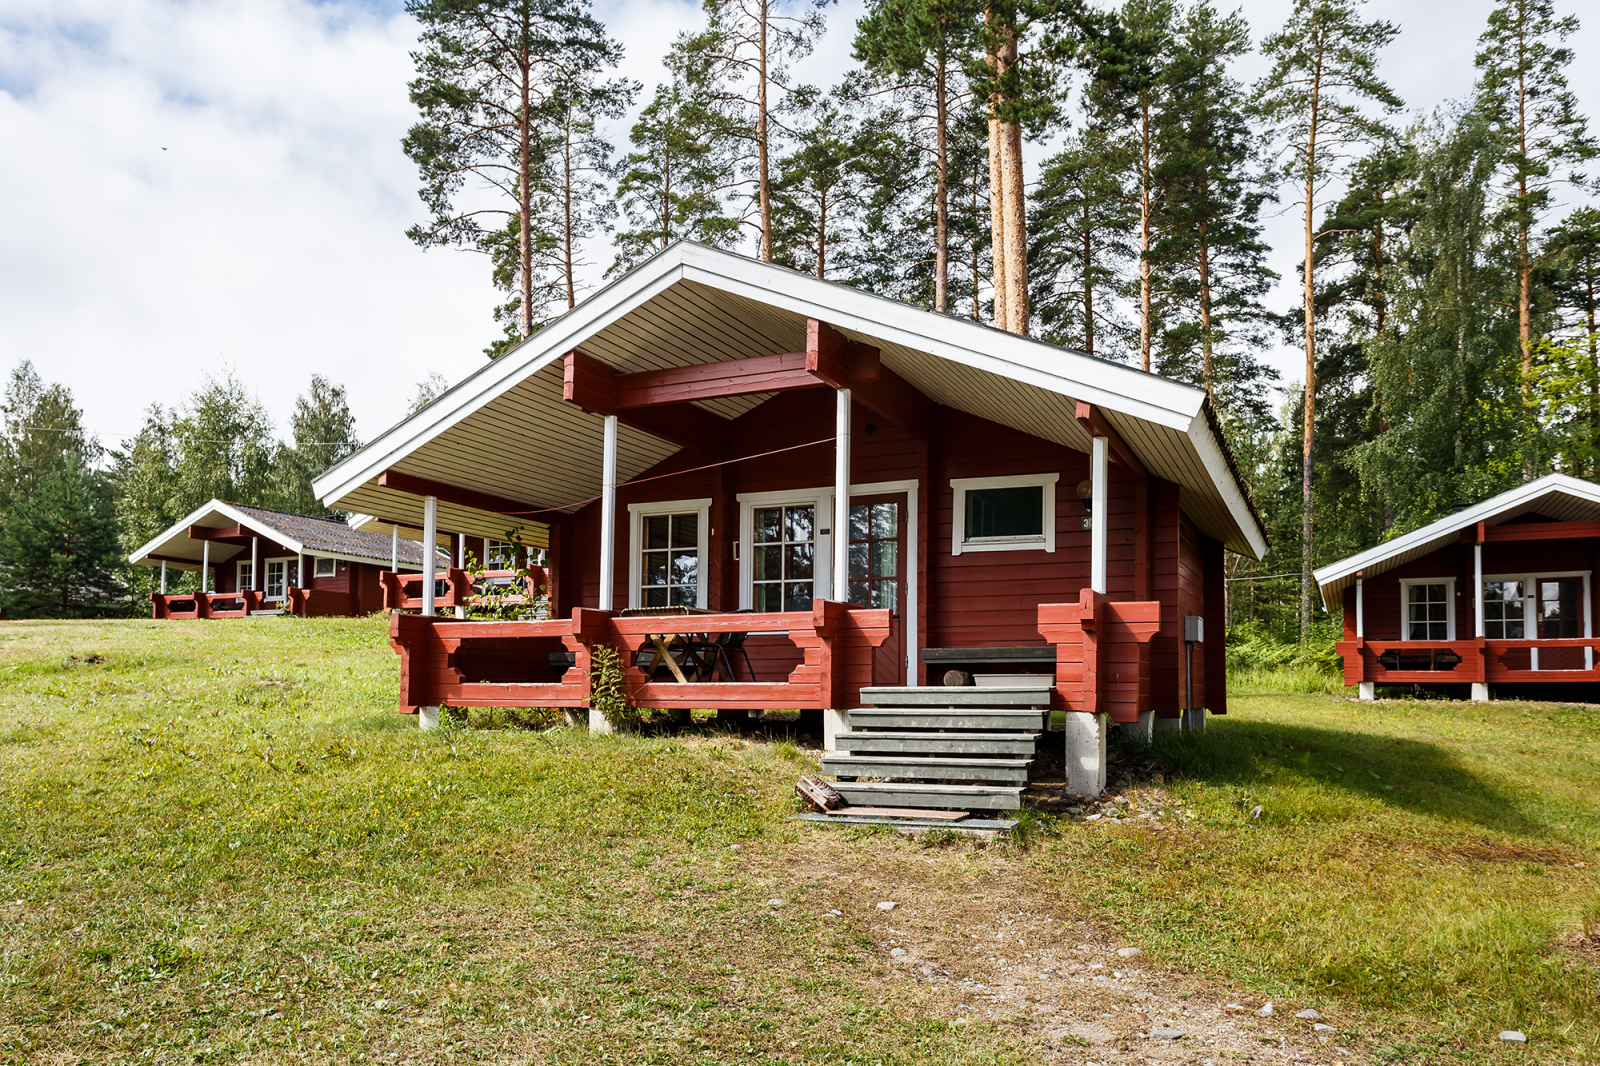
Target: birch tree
pixel 1319 100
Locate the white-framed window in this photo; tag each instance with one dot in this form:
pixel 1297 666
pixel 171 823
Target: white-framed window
pixel 667 552
pixel 998 514
pixel 502 555
pixel 325 567
pixel 281 574
pixel 785 549
pixel 1552 606
pixel 1430 608
pixel 245 573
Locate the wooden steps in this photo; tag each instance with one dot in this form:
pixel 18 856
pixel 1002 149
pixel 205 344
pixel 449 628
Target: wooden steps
pixel 929 748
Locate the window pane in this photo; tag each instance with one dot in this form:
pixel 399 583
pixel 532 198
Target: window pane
pixel 655 531
pixel 685 531
pixel 768 598
pixel 768 563
pixel 859 554
pixel 1013 512
pixel 655 568
pixel 797 561
pixel 860 522
pixel 886 519
pixel 798 523
pixel 797 596
pixel 860 591
pixel 887 594
pixel 885 558
pixel 685 568
pixel 769 523
pixel 683 595
pixel 656 597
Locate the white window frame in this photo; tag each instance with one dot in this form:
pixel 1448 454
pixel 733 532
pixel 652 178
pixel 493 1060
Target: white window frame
pixel 822 573
pixel 241 583
pixel 316 566
pixel 1449 584
pixel 639 511
pixel 266 571
pixel 1530 607
pixel 960 486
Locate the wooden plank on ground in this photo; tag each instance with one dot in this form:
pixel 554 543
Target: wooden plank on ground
pixel 902 812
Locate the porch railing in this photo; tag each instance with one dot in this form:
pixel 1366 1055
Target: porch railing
pixel 1469 661
pixel 453 587
pixel 509 664
pixel 180 605
pixel 1102 653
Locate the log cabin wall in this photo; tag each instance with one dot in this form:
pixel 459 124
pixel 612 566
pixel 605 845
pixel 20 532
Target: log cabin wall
pixel 973 599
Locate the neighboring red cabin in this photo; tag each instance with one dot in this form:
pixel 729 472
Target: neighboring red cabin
pixel 255 561
pixel 1496 594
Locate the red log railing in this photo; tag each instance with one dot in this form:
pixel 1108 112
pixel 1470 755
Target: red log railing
pixel 1102 653
pixel 453 587
pixel 180 605
pixel 1481 660
pixel 446 661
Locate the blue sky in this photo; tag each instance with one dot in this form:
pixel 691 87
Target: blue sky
pixel 191 187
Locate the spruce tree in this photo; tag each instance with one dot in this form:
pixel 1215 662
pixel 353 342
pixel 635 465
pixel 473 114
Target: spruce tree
pixel 324 432
pixel 1541 136
pixel 1319 100
pixel 1574 246
pixel 496 80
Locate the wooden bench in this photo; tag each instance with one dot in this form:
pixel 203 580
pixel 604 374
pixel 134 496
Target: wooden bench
pixel 959 664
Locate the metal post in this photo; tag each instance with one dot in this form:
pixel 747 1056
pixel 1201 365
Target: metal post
pixel 205 565
pixel 430 552
pixel 255 563
pixel 608 516
pixel 163 577
pixel 394 550
pixel 1361 626
pixel 841 497
pixel 1477 591
pixel 461 551
pixel 1099 473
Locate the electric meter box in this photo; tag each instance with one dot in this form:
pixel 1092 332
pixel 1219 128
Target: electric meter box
pixel 1194 629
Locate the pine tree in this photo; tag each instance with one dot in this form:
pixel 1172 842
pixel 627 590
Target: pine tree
pixel 1574 247
pixel 496 80
pixel 1542 138
pixel 670 185
pixel 1082 230
pixel 824 184
pixel 922 48
pixel 1207 241
pixel 740 62
pixel 1318 99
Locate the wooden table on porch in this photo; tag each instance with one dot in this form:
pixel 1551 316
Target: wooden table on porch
pixel 663 644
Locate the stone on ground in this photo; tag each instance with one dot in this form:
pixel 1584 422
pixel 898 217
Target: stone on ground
pixel 1167 1034
pixel 1511 1036
pixel 1266 1012
pixel 1308 1014
pixel 1128 953
pixel 887 905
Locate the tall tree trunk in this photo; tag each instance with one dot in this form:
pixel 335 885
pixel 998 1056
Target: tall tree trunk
pixel 1307 543
pixel 997 210
pixel 1088 284
pixel 525 203
pixel 1524 265
pixel 1207 368
pixel 977 304
pixel 1016 227
pixel 566 215
pixel 822 235
pixel 1594 372
pixel 761 139
pixel 941 188
pixel 1144 236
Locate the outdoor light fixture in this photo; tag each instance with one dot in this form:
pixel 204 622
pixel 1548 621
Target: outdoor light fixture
pixel 1086 494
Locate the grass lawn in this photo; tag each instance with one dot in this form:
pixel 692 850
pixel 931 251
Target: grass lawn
pixel 218 843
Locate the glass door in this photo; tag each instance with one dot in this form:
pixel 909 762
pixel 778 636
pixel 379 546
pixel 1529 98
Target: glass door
pixel 877 573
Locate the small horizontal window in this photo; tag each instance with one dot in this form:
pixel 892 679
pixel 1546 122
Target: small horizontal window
pixel 1009 513
pixel 1012 512
pixel 326 567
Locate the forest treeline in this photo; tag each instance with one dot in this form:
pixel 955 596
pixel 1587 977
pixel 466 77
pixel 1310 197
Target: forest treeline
pixel 1448 261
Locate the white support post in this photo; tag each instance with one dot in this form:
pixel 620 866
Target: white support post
pixel 1479 628
pixel 430 551
pixel 1361 606
pixel 1100 523
pixel 255 564
pixel 205 565
pixel 394 550
pixel 461 564
pixel 163 577
pixel 1086 754
pixel 841 497
pixel 608 517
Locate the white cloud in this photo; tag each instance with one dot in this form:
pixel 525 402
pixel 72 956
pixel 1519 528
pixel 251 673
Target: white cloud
pixel 268 236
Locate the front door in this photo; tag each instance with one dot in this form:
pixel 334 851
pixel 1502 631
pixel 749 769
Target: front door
pixel 877 574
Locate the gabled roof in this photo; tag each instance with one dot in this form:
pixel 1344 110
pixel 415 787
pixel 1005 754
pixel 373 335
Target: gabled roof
pixel 1559 497
pixel 301 534
pixel 505 431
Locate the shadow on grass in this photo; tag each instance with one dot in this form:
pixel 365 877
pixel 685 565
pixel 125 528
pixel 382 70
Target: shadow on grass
pixel 1410 774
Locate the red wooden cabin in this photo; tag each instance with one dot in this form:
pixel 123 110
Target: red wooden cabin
pixel 1495 594
pixel 876 495
pixel 255 561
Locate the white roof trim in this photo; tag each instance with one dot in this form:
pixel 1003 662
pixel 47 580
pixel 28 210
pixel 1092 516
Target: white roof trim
pixel 1118 388
pixel 1335 576
pixel 214 507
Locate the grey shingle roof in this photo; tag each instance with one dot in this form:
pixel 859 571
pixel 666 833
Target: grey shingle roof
pixel 334 536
